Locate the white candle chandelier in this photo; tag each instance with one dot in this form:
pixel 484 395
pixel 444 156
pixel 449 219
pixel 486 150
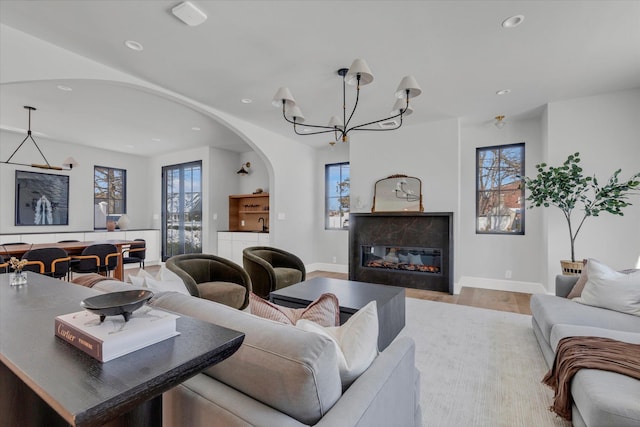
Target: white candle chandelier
pixel 358 74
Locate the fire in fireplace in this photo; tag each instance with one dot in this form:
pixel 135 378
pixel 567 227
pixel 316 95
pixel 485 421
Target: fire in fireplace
pixel 412 259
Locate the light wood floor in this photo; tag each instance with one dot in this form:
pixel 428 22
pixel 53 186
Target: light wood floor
pixel 515 302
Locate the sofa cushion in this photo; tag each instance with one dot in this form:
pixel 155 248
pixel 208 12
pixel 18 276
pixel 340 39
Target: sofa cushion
pixel 355 342
pixel 550 310
pixel 610 289
pixel 606 398
pixel 324 311
pixel 561 331
pixel 227 293
pixel 293 371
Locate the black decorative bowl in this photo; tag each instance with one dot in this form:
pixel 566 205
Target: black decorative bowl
pixel 117 303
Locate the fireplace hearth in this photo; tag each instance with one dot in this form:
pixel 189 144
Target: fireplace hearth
pixel 413 250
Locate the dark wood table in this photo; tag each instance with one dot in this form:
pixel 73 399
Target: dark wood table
pixel 352 296
pixel 72 248
pixel 45 381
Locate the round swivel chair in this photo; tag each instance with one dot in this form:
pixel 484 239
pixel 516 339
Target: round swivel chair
pixel 272 268
pixel 212 277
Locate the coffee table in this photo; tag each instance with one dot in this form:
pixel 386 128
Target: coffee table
pixel 352 296
pixel 46 381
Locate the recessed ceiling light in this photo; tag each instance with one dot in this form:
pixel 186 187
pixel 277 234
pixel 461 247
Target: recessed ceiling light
pixel 503 92
pixel 247 100
pixel 155 139
pixel 129 146
pixel 195 128
pixel 512 21
pixel 134 45
pixel 64 88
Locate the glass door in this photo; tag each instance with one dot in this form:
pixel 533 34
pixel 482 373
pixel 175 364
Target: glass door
pixel 182 209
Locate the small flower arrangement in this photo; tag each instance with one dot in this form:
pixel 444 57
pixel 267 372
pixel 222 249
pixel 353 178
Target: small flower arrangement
pixel 17 264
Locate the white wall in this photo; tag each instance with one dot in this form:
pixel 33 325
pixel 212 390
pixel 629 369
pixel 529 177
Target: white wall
pixel 258 176
pixel 290 165
pixel 80 182
pixel 605 129
pixel 329 244
pixel 489 256
pixel 429 151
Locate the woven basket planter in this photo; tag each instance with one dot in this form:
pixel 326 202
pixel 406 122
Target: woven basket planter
pixel 571 268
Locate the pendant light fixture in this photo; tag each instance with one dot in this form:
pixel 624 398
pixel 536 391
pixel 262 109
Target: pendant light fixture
pixel 68 164
pixel 358 74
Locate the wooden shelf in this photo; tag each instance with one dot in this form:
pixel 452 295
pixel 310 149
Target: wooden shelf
pixel 243 211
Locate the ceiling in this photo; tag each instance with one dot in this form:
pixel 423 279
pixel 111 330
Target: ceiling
pixel 457 50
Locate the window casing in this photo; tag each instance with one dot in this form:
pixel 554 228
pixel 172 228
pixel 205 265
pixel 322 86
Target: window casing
pixel 337 190
pixel 499 192
pixel 109 194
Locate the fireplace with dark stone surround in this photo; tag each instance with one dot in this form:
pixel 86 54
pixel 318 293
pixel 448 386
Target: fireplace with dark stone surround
pixel 409 249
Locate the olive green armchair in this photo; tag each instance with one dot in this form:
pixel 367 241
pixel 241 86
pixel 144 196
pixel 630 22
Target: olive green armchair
pixel 271 269
pixel 213 278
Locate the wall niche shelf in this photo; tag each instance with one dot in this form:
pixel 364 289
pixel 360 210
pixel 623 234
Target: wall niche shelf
pixel 246 211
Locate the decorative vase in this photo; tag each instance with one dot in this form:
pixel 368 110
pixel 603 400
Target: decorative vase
pixel 123 222
pixel 111 225
pixel 18 278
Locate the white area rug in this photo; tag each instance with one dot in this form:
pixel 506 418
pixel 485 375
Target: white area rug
pixel 478 367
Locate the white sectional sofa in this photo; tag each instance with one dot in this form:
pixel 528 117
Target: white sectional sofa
pixel 601 398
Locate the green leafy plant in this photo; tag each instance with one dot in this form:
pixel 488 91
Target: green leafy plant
pixel 567 188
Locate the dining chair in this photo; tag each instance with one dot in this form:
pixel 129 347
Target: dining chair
pixel 4 266
pixel 99 258
pixel 52 262
pixel 136 253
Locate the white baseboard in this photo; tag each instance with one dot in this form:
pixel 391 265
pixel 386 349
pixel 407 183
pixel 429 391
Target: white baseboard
pixel 499 285
pixel 333 268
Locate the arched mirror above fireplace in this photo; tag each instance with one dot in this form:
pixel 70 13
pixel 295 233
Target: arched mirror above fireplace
pixel 398 193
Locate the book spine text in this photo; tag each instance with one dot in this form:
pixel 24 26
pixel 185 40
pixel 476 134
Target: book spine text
pixel 79 339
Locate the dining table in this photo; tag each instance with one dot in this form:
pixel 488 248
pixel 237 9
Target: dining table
pixel 72 248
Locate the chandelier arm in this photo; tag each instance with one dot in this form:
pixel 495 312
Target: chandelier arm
pixel 294 123
pixel 346 124
pixel 16 150
pixel 378 121
pixel 41 153
pixel 311 133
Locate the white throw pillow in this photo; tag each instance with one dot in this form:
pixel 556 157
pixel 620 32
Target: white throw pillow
pixel 139 279
pixel 608 288
pixel 167 275
pixel 166 286
pixel 166 280
pixel 355 342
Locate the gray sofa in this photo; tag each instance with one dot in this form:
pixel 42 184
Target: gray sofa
pixel 282 376
pixel 601 398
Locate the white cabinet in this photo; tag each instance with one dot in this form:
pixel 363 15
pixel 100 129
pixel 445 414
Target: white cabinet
pixel 231 244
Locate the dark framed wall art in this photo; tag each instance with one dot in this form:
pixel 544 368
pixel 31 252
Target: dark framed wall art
pixel 42 198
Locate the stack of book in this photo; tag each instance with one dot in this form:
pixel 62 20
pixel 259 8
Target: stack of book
pixel 115 337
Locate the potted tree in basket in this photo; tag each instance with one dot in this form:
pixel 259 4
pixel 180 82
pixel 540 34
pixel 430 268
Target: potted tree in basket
pixel 566 187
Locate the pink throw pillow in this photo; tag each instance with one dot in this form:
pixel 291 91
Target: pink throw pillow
pixel 324 311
